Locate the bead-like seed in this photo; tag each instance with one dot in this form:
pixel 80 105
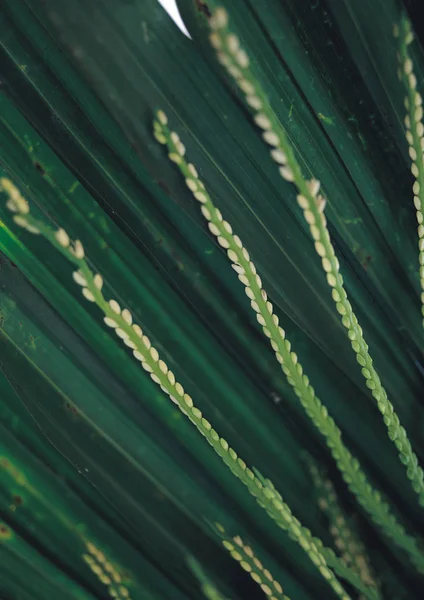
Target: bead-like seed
pixel 309 217
pixel 154 354
pixel 233 43
pixel 238 268
pixel 121 333
pixel 219 19
pixel 315 233
pixel 286 173
pixel 279 156
pixel 175 137
pixel 201 197
pixel 206 212
pixel 162 117
pixel 254 306
pixel 79 278
pixel 223 59
pixel 215 41
pixel 326 264
pixel 62 238
pixel 78 250
pixel 262 121
pixel 11 205
pixel 213 229
pixel 278 586
pixel 98 281
pixel 246 87
pixel 115 306
pixel 193 170
pixel 196 412
pixel 88 294
pixel 224 444
pixel 237 241
pixel 314 186
pixel 407 66
pixel 319 247
pixel 242 59
pixel 254 102
pixel 176 158
pixel 191 184
pixel 110 322
pixel 32 229
pixel 162 366
pixel 234 71
pixel 126 315
pixel 271 138
pixel 302 201
pixel 331 280
pixel 321 202
pixel 160 137
pixel 138 330
pixel 412 80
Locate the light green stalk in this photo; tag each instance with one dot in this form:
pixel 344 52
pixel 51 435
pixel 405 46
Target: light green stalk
pixel 346 539
pixel 245 556
pixel 209 590
pixel 121 321
pixel 236 61
pixel 105 572
pixel 370 499
pixel 414 132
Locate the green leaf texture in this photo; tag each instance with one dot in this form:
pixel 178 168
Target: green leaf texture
pixel 94 451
